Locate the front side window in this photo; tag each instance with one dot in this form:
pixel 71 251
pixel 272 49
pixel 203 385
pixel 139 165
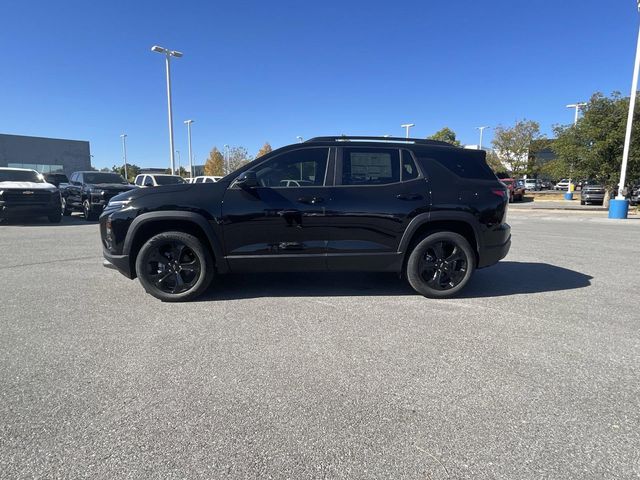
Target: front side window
pixel 300 168
pixel 370 166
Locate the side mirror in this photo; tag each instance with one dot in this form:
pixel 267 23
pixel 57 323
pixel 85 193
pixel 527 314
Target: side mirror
pixel 247 180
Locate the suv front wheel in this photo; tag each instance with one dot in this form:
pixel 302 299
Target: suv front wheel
pixel 174 266
pixel 440 265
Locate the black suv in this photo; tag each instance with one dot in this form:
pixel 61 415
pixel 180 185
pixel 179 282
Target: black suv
pixel 89 192
pixel 423 208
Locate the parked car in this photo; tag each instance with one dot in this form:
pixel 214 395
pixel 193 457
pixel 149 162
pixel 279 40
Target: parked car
pixel 592 192
pixel 25 194
pixel 634 194
pixel 156 180
pixel 516 192
pixel 532 184
pixel 56 179
pixel 563 184
pixel 206 179
pixel 423 208
pixel 545 185
pixel 89 192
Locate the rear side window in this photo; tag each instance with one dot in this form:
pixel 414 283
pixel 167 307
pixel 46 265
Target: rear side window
pixel 370 166
pixel 466 166
pixel 409 171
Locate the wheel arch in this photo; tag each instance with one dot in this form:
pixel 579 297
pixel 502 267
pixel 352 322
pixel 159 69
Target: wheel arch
pixel 149 224
pixel 424 224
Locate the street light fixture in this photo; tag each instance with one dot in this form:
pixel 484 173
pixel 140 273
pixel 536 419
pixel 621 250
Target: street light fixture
pixel 299 139
pixel 619 206
pixel 481 132
pixel 124 154
pixel 168 54
pixel 188 124
pixel 407 126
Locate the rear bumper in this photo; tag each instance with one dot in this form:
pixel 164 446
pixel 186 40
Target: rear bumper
pixel 120 263
pixel 498 248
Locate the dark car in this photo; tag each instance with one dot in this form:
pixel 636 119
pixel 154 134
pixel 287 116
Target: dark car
pixel 89 192
pixel 592 192
pixel 634 194
pixel 56 178
pixel 421 208
pixel 25 194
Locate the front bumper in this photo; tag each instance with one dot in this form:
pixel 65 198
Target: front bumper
pixel 592 197
pixel 27 211
pixel 120 263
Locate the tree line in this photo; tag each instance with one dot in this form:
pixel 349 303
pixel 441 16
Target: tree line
pixel 590 149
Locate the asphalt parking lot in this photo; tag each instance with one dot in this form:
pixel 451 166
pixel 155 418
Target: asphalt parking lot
pixel 532 373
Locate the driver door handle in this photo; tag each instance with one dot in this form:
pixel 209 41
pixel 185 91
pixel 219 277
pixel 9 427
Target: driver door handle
pixel 409 196
pixel 311 200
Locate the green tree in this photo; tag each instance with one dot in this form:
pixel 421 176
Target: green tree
pixel 593 147
pixel 132 171
pixel 238 157
pixel 512 145
pixel 266 148
pixel 494 162
pixel 445 135
pixel 214 166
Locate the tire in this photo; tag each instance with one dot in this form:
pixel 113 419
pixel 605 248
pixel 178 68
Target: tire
pixel 511 198
pixel 440 247
pixel 158 261
pixel 582 202
pixel 88 212
pixel 55 217
pixel 65 211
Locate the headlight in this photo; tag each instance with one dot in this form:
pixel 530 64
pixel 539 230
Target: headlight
pixel 118 203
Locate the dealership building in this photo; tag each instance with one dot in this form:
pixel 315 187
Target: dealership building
pixel 46 155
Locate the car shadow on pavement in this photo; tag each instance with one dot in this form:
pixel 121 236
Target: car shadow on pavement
pixel 505 278
pixel 513 278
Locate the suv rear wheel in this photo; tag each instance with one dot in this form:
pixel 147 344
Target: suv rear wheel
pixel 174 266
pixel 440 265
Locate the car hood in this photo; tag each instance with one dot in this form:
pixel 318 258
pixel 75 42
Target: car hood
pixel 28 185
pixel 168 189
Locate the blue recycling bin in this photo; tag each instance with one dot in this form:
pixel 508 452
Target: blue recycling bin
pixel 568 196
pixel 618 208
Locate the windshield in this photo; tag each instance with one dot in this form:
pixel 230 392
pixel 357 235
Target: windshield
pixel 168 180
pixel 100 177
pixel 20 176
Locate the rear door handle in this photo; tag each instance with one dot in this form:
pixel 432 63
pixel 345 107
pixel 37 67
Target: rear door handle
pixel 409 196
pixel 311 200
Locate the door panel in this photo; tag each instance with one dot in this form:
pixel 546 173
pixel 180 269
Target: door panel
pixel 372 207
pixel 280 225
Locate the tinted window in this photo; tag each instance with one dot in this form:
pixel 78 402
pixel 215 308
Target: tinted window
pixel 102 177
pixel 300 168
pixel 148 181
pixel 409 170
pixel 370 166
pixel 138 180
pixel 168 180
pixel 20 176
pixel 199 180
pixel 467 167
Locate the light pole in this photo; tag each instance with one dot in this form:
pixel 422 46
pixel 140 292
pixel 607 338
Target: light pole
pixel 577 106
pixel 124 154
pixel 226 159
pixel 619 206
pixel 178 154
pixel 188 124
pixel 299 139
pixel 168 54
pixel 481 132
pixel 407 126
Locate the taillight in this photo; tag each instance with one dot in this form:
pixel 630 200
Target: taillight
pixel 500 192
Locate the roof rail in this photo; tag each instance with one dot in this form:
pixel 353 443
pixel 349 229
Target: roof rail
pixel 365 138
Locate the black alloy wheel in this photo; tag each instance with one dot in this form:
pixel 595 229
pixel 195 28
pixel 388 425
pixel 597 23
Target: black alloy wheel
pixel 440 265
pixel 65 211
pixel 87 211
pixel 174 266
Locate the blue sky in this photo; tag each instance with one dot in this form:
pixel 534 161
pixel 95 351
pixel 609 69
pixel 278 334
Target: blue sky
pixel 256 71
